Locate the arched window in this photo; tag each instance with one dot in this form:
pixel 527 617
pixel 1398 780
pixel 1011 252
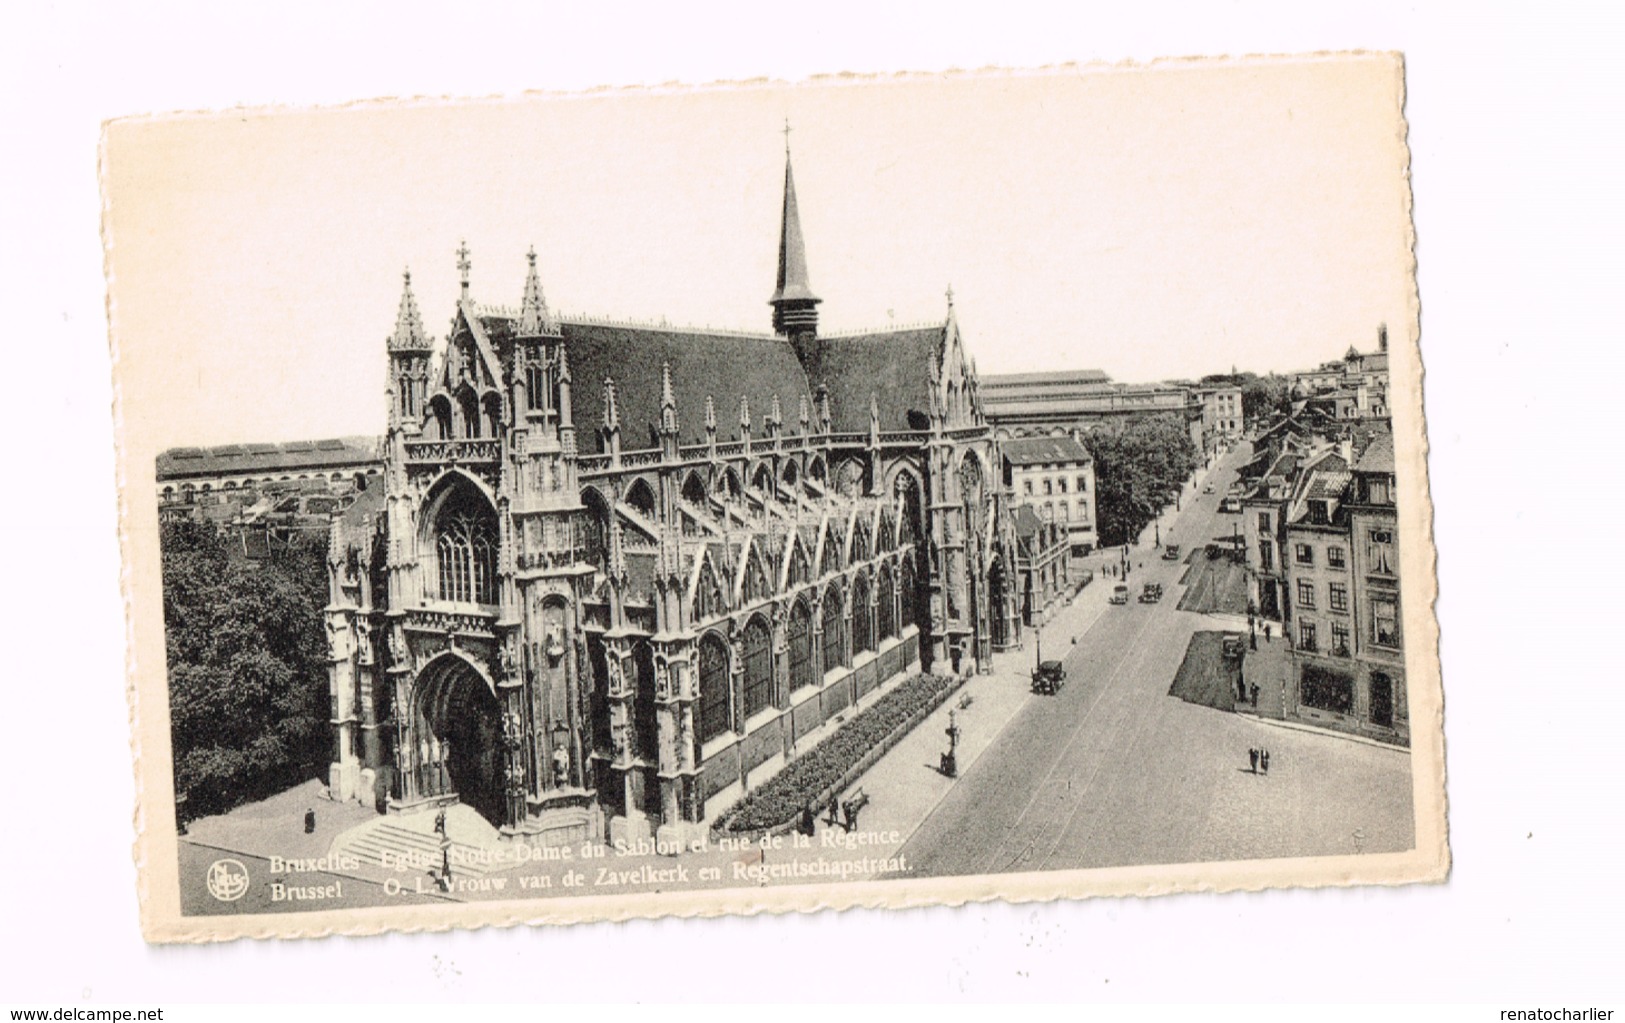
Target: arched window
pixel 756 585
pixel 694 489
pixel 862 635
pixel 440 409
pixel 885 609
pixel 834 629
pixel 860 542
pixel 493 414
pixel 466 547
pixel 714 686
pixel 469 406
pixel 708 598
pixel 763 480
pixel 831 560
pixel 757 649
pixel 800 642
pixel 594 528
pixel 641 498
pixel 798 565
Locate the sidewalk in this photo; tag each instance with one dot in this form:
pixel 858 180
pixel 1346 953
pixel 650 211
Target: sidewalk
pixel 905 785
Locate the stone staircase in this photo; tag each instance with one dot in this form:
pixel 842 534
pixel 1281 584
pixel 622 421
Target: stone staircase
pixel 411 839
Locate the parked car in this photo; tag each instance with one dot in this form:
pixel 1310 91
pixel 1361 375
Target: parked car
pixel 1208 489
pixel 1230 504
pixel 1151 594
pixel 1120 593
pixel 1171 552
pixel 1048 678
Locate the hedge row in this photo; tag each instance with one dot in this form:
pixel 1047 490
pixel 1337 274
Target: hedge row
pixel 809 778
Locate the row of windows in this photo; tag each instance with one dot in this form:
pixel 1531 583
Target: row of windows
pixel 187 490
pixel 716 709
pixel 1056 485
pixel 1047 511
pixel 1384 630
pixel 1337 596
pixel 1304 554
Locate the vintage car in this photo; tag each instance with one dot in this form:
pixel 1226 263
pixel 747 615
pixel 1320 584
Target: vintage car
pixel 1208 489
pixel 1120 594
pixel 1230 504
pixel 1232 646
pixel 1151 594
pixel 1048 678
pixel 1171 552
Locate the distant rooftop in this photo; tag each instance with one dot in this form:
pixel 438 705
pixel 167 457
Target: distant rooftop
pixel 336 452
pixel 1045 450
pixel 992 381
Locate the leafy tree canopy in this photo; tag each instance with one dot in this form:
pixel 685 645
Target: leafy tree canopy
pixel 247 673
pixel 1139 469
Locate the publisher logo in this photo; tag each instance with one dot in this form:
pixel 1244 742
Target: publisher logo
pixel 227 880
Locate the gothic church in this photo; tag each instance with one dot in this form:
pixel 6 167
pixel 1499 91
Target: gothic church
pixel 618 575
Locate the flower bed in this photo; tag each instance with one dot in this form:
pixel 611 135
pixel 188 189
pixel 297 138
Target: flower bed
pixel 810 779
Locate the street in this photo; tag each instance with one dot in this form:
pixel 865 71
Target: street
pixel 1114 771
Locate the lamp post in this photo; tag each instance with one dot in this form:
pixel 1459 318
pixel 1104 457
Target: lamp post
pixel 950 764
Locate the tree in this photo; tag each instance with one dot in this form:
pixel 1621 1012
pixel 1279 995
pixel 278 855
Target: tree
pixel 247 673
pixel 1139 469
pixel 1265 397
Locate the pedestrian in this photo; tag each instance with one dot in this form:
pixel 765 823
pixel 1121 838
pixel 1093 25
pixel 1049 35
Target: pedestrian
pixel 1252 755
pixel 310 821
pixel 834 810
pixel 1255 694
pixel 851 815
pixel 808 820
pixel 1264 760
pixel 1266 632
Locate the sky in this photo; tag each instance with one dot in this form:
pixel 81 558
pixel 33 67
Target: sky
pixel 1153 222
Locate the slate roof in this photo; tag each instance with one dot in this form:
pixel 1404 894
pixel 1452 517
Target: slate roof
pixel 1045 450
pixel 893 365
pixel 229 459
pixel 1378 455
pixel 722 366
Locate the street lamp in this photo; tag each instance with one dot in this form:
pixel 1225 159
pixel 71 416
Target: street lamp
pixel 950 764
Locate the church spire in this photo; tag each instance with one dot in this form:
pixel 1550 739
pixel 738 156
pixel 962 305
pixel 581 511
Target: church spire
pixel 794 305
pixel 409 335
pixel 534 317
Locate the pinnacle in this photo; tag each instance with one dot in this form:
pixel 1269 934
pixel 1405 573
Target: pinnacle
pixel 409 335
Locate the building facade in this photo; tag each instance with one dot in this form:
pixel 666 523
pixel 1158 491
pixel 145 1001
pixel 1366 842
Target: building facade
pixel 618 575
pixel 1055 476
pixel 1323 562
pixel 1043 565
pixel 1222 421
pixel 1043 404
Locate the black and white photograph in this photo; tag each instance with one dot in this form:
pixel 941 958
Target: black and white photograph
pixel 717 499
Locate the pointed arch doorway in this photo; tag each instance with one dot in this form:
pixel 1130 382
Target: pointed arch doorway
pixel 459 726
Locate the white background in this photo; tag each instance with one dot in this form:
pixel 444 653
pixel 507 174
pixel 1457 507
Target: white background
pixel 1514 119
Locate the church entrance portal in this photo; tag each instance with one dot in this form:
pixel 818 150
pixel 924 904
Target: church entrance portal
pixel 460 725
